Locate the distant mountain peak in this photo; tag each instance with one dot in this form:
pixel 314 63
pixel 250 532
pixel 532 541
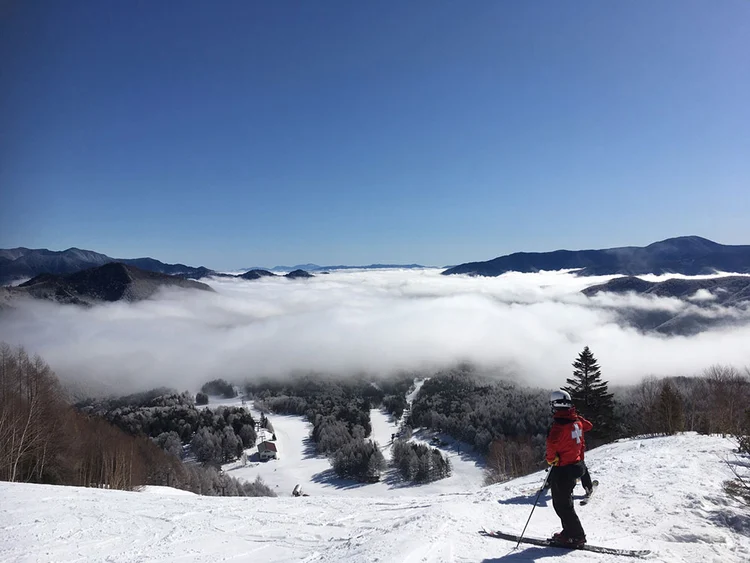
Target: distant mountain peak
pixel 256 274
pixel 692 242
pixel 298 274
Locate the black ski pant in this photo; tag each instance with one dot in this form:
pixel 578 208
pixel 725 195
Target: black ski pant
pixel 586 478
pixel 562 482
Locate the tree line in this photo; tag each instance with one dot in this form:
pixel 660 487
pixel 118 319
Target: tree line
pixel 419 463
pixel 44 439
pixel 509 423
pixel 715 402
pixel 214 436
pixel 476 408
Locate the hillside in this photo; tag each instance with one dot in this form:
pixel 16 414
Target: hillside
pixel 663 494
pixel 111 282
pixel 20 263
pixel 710 302
pixel 729 290
pixel 689 255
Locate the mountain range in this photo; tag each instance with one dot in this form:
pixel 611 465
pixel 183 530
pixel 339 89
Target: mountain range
pixel 21 263
pixel 317 268
pixel 114 281
pixel 690 255
pixel 84 276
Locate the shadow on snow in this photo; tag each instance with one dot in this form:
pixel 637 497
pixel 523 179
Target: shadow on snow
pixel 526 554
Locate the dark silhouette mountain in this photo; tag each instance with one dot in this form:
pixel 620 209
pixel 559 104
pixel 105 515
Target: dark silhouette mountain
pixel 690 255
pixel 306 267
pixel 111 282
pixel 19 263
pixel 256 274
pixel 298 274
pixel 712 302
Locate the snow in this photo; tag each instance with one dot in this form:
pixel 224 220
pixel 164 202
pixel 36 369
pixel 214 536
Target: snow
pixel 663 494
pixel 157 490
pixel 298 463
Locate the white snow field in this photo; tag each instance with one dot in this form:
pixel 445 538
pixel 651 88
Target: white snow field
pixel 663 494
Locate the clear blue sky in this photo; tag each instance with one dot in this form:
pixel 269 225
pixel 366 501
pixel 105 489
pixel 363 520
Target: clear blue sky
pixel 241 133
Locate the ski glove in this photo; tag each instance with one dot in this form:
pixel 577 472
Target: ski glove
pixel 555 461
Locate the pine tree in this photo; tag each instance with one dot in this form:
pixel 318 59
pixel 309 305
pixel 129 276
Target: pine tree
pixel 589 394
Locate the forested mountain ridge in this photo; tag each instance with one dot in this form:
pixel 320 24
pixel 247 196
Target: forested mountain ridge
pixel 19 263
pixel 707 303
pixel 690 255
pixel 111 282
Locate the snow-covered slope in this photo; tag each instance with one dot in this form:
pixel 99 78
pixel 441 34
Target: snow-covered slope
pixel 662 494
pixel 298 464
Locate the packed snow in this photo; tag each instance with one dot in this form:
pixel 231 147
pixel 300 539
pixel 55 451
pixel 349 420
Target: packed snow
pixel 663 494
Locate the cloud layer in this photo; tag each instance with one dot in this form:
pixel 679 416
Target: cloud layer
pixel 528 325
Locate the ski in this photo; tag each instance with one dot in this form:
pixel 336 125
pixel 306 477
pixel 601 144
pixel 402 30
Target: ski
pixel 594 485
pixel 549 543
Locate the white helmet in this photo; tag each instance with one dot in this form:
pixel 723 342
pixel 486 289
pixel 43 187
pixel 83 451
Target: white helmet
pixel 560 400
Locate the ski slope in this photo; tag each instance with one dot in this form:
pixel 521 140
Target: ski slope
pixel 663 494
pixel 298 463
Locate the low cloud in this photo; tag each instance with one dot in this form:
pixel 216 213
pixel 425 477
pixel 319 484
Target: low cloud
pixel 702 295
pixel 529 325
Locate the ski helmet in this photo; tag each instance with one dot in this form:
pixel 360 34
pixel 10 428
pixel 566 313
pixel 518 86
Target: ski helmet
pixel 560 400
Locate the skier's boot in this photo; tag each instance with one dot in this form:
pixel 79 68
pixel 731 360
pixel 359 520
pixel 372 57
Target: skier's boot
pixel 576 543
pixel 559 538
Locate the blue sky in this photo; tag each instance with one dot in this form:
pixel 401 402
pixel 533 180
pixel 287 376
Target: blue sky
pixel 239 133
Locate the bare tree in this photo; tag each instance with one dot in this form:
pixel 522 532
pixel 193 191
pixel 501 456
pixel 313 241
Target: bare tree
pixel 670 412
pixel 30 402
pixel 729 396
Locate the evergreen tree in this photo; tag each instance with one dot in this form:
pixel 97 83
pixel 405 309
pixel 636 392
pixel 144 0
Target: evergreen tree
pixel 589 394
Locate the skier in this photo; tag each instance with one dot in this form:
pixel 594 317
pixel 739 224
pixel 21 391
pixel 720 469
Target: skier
pixel 564 455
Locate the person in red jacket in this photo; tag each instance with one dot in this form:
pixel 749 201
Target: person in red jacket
pixel 565 455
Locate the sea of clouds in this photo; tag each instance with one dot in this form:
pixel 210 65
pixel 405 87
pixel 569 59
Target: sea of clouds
pixel 528 326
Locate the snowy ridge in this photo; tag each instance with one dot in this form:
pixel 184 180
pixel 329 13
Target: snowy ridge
pixel 663 494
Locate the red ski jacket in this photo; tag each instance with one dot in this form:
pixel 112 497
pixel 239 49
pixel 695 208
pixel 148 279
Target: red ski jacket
pixel 565 438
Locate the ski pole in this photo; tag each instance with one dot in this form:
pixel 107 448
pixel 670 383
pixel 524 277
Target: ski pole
pixel 533 507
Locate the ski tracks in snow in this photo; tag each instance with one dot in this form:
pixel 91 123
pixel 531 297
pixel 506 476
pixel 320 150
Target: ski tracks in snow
pixel 663 494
